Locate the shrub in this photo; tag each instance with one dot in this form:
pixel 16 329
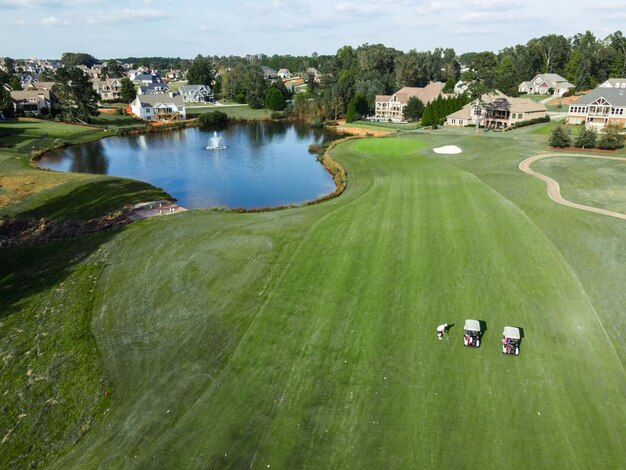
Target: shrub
pixel 274 99
pixel 278 115
pixel 586 138
pixel 530 122
pixel 611 139
pixel 560 138
pixel 214 118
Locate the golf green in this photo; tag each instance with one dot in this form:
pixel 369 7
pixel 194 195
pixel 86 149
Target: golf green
pixel 306 337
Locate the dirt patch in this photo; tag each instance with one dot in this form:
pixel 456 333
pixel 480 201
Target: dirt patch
pixel 358 131
pixel 15 188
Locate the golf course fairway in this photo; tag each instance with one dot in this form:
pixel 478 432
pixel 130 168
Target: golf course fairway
pixel 306 338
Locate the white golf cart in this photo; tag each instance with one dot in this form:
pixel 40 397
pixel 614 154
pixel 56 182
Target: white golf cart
pixel 511 339
pixel 471 333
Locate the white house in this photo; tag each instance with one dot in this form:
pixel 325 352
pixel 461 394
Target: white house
pixel 284 74
pixel 599 107
pixel 544 82
pixel 196 93
pixel 161 107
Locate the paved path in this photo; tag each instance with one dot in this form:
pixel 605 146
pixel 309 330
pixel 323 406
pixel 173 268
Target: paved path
pixel 146 210
pixel 554 190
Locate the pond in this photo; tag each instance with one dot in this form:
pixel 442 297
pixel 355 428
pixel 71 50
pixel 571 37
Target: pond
pixel 264 164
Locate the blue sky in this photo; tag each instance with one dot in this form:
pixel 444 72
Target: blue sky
pixel 185 28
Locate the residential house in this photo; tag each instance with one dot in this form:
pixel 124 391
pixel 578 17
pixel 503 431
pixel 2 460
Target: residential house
pixel 153 89
pixel 391 107
pixel 35 101
pixel 161 107
pixel 496 111
pixel 268 73
pixel 544 82
pixel 614 83
pixel 284 74
pixel 461 87
pixel 196 93
pixel 600 107
pixel 176 74
pixel 146 78
pixel 317 75
pixel 28 79
pixel 39 86
pixel 109 89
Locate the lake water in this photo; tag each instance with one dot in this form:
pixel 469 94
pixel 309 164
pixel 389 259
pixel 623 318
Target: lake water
pixel 265 164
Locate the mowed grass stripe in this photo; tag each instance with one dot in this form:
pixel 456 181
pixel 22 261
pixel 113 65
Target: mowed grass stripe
pixel 341 366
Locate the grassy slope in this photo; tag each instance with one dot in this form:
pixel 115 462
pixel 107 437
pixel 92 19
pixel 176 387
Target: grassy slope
pixel 597 183
pixel 307 336
pixel 243 112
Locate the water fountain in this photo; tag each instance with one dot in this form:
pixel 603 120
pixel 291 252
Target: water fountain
pixel 215 143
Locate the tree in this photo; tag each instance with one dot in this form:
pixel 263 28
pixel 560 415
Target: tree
pixel 586 138
pixel 76 98
pixel 200 72
pixel 505 77
pixel 6 104
pixel 9 65
pixel 213 118
pixel 15 83
pixel 611 139
pixel 481 74
pixel 449 86
pixel 560 137
pixel 128 92
pixel 72 59
pixel 413 110
pixel 274 99
pixel 357 108
pixel 554 50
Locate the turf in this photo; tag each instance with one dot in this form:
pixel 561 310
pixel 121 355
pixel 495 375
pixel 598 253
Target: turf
pixel 238 113
pixel 306 337
pixel 596 183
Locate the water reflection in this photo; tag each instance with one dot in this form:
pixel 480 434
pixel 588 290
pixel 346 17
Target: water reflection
pixel 265 164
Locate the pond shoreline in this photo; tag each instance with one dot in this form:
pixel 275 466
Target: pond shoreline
pixel 334 169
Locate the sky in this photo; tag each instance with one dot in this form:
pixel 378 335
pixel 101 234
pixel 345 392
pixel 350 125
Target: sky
pixel 185 28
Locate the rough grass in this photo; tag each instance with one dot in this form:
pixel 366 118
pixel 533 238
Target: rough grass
pixel 306 337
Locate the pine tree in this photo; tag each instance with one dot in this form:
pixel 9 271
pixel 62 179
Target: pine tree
pixel 560 138
pixel 611 139
pixel 586 138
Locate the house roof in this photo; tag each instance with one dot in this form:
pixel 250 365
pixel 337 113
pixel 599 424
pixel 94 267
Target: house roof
pixel 553 80
pixel 463 113
pixel 615 96
pixel 383 97
pixel 283 71
pixel 30 94
pixel 614 83
pixel 190 88
pixel 426 94
pixel 161 98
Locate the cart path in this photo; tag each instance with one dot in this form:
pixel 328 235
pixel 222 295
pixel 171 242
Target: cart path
pixel 554 190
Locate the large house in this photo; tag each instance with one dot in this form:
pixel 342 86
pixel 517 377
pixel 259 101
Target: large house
pixel 614 83
pixel 496 111
pixel 600 107
pixel 36 101
pixel 544 82
pixel 108 89
pixel 268 72
pixel 162 107
pixel 196 93
pixel 146 78
pixel 153 88
pixel 284 74
pixel 391 107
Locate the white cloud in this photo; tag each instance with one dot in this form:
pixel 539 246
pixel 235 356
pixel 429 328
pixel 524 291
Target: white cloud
pixel 54 21
pixel 495 17
pixel 435 7
pixel 359 8
pixel 124 16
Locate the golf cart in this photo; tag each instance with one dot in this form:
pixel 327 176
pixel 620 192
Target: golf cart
pixel 511 339
pixel 471 333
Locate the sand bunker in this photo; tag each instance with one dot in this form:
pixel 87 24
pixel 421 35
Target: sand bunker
pixel 448 150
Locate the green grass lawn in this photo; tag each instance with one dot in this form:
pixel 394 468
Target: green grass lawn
pixel 242 113
pixel 115 121
pixel 547 128
pixel 20 132
pixel 306 337
pixel 385 126
pixel 596 183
